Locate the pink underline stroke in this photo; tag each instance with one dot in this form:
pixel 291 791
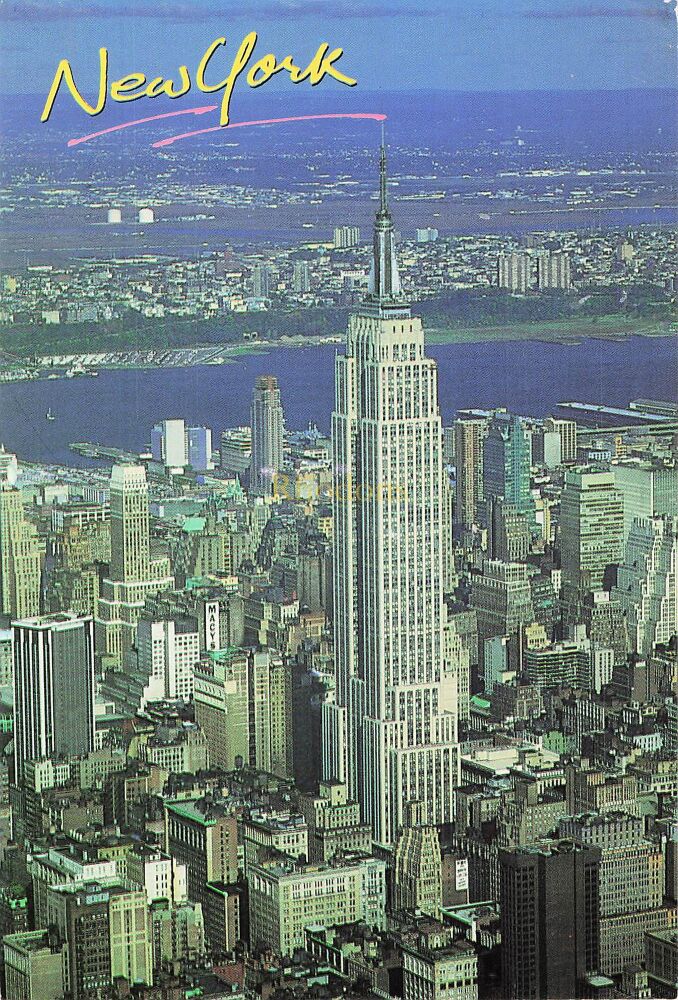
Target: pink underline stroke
pixel 142 121
pixel 266 121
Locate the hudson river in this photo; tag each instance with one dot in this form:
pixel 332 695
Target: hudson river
pixel 119 407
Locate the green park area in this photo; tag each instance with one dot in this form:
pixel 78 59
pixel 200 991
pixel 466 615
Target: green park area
pixel 459 316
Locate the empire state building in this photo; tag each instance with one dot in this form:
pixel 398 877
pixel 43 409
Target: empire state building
pixel 390 732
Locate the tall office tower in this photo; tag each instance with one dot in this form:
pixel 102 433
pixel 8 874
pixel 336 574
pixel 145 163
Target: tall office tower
pixel 649 489
pixel 267 434
pixel 133 573
pixel 235 449
pixel 243 703
pixel 508 531
pixel 391 732
pixel 204 548
pixel 647 583
pixel 130 532
pixel 603 617
pixel 270 713
pixel 199 448
pixel 168 444
pixel 6 660
pixel 19 558
pixel 549 919
pixel 469 435
pixel 261 281
pixel 567 431
pixel 301 277
pixel 502 599
pixel 221 701
pixel 554 270
pixel 514 272
pixel 427 235
pixel 346 236
pixel 53 687
pixel 591 530
pixel 507 455
pixel 458 660
pixel 546 448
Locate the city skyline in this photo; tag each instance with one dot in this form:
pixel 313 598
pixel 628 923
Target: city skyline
pixel 339 508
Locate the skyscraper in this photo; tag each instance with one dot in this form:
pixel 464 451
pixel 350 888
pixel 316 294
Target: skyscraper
pixel 130 537
pixel 261 281
pixel 514 272
pixel 107 928
pixel 53 687
pixel 168 444
pixel 469 435
pixel 346 236
pixel 301 277
pixel 502 599
pixel 267 434
pixel 591 529
pixel 390 732
pixel 506 463
pixel 243 703
pixel 19 558
pixel 554 270
pixel 199 448
pixel 133 573
pixel 649 489
pixel 549 919
pixel 647 582
pixel 567 431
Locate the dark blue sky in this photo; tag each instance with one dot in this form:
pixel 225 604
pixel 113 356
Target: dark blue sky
pixel 389 44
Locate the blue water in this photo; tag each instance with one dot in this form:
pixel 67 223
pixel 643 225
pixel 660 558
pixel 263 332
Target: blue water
pixel 120 407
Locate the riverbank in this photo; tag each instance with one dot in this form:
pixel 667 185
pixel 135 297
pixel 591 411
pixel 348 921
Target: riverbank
pixel 612 328
pixel 567 332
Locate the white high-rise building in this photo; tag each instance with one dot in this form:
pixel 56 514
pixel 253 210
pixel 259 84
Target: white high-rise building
pixel 554 270
pixel 591 529
pixel 9 467
pixel 134 575
pixel 168 651
pixel 169 444
pixel 19 557
pixel 647 582
pixel 391 731
pixel 649 489
pixel 514 272
pixel 345 237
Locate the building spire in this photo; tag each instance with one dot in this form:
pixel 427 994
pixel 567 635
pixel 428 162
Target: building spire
pixel 383 189
pixel 384 285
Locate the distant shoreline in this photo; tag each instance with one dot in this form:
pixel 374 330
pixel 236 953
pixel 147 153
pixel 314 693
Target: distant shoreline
pixel 568 333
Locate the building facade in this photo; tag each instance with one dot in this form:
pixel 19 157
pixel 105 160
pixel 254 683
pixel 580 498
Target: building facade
pixel 390 733
pixel 267 434
pixel 53 688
